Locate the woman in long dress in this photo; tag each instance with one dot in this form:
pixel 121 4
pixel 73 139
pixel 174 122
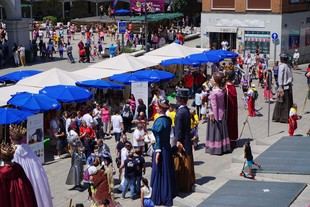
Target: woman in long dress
pixel 32 166
pixel 162 178
pixel 15 188
pixel 217 142
pixel 231 108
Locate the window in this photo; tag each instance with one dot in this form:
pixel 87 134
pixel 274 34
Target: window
pixel 223 4
pixel 261 4
pixel 257 39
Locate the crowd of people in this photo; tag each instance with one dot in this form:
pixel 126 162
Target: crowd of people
pixel 93 44
pixel 81 132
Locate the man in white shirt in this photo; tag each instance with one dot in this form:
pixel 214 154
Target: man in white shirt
pixel 124 155
pixel 117 125
pixel 138 137
pixel 88 119
pixel 296 56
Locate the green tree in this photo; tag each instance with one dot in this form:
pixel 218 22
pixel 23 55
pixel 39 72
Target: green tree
pixel 179 5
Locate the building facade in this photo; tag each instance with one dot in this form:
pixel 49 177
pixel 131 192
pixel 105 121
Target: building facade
pixel 248 25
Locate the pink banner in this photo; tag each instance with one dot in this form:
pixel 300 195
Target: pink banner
pixel 151 5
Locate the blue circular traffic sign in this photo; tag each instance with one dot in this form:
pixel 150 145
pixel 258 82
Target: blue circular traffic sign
pixel 274 36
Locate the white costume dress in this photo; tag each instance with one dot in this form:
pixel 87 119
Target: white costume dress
pixel 35 173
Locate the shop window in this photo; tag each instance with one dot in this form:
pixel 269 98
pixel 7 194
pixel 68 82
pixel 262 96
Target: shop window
pixel 223 4
pixel 254 40
pixel 261 4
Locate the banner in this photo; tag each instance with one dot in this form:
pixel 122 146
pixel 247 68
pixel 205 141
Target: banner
pixel 35 135
pixel 152 6
pixel 140 90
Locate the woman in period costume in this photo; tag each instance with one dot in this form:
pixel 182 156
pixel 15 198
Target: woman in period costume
pixel 32 166
pixel 162 178
pixel 75 175
pixel 231 108
pixel 15 188
pixel 285 92
pixel 217 142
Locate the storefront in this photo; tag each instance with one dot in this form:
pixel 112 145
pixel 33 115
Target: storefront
pixel 244 32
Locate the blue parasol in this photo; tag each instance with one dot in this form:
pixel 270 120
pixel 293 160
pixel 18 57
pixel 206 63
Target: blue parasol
pixel 13 116
pixel 121 12
pixel 99 84
pixel 180 61
pixel 34 102
pixel 66 93
pixel 222 53
pixel 127 78
pixel 154 75
pixel 18 75
pixel 205 57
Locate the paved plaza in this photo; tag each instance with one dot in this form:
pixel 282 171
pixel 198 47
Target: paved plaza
pixel 211 171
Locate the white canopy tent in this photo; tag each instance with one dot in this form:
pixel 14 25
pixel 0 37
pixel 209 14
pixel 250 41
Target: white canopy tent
pixel 123 62
pixel 95 73
pixel 54 76
pixel 174 50
pixel 8 91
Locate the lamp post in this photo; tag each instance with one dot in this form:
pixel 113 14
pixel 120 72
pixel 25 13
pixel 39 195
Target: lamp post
pixel 1 10
pixel 31 1
pixel 145 25
pixel 97 8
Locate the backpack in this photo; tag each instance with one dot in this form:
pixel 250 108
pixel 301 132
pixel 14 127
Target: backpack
pixel 126 111
pixel 255 94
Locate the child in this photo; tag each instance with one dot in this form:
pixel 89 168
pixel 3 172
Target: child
pixel 252 96
pixel 260 75
pixel 268 85
pixel 171 113
pixel 194 128
pixel 146 193
pixel 292 120
pixel 249 159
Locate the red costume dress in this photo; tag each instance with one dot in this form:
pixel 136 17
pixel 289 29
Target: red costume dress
pixel 15 188
pixel 251 103
pixel 232 111
pixel 292 121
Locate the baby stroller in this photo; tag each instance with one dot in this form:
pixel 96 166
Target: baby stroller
pixel 82 54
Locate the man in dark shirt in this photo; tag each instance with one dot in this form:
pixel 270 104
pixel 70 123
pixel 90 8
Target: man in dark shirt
pixel 141 106
pixel 130 176
pixel 184 142
pixel 140 168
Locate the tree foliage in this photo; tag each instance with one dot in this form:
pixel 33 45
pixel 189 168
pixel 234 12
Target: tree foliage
pixel 179 5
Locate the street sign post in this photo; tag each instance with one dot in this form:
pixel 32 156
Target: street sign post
pixel 274 36
pixel 275 40
pixel 122 27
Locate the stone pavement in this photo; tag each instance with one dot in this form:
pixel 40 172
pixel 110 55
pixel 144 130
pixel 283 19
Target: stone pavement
pixel 211 171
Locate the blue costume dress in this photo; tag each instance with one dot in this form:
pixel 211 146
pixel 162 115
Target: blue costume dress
pixel 162 178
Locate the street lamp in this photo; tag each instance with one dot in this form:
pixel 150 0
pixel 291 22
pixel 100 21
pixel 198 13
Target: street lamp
pixel 145 25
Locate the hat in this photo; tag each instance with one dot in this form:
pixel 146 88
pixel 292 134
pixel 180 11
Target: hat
pixel 182 93
pixel 92 170
pixel 253 85
pixel 163 103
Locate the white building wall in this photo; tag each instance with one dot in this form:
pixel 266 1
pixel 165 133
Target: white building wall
pixel 296 24
pixel 239 23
